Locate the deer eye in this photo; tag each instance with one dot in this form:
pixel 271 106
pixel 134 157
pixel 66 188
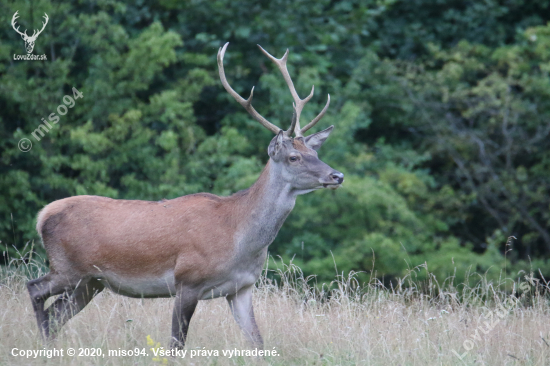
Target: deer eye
pixel 293 158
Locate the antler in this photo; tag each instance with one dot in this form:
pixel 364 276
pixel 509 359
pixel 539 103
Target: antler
pixel 34 34
pixel 43 26
pixel 298 103
pixel 246 103
pixel 15 16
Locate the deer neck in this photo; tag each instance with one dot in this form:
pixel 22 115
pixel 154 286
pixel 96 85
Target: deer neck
pixel 266 206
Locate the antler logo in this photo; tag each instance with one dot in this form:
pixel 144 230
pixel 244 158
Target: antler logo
pixel 29 41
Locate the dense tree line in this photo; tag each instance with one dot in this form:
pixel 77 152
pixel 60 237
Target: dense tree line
pixel 441 110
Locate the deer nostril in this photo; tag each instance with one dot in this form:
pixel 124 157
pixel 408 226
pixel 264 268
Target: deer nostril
pixel 338 177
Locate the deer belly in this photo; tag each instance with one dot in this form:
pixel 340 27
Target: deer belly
pixel 225 287
pixel 145 286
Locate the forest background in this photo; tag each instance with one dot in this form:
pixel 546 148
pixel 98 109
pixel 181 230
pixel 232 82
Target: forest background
pixel 441 111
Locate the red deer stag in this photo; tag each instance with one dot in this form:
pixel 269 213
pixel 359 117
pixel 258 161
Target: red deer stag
pixel 195 247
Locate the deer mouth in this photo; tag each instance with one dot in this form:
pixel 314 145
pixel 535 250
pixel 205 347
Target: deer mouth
pixel 331 185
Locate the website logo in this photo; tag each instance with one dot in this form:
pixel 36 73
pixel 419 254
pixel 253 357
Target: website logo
pixel 29 40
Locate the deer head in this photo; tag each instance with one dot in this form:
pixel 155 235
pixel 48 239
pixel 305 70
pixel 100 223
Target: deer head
pixel 29 41
pixel 295 158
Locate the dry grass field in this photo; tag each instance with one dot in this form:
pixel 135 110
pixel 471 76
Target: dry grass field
pixel 348 325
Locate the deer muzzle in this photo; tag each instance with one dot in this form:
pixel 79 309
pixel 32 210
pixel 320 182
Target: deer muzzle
pixel 335 180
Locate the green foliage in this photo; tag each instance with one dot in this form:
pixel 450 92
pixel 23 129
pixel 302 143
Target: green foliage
pixel 481 117
pixel 441 125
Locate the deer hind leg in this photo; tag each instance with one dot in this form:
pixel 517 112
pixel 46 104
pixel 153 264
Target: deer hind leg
pixel 71 303
pixel 243 312
pixel 40 290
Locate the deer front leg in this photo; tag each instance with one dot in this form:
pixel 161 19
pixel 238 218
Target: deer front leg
pixel 184 307
pixel 243 312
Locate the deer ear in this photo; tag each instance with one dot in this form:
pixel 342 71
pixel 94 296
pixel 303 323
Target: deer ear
pixel 316 140
pixel 276 145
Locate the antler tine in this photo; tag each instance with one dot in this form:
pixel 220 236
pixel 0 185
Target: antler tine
pixel 319 116
pixel 300 103
pixel 246 103
pixel 43 25
pixel 294 119
pixel 15 16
